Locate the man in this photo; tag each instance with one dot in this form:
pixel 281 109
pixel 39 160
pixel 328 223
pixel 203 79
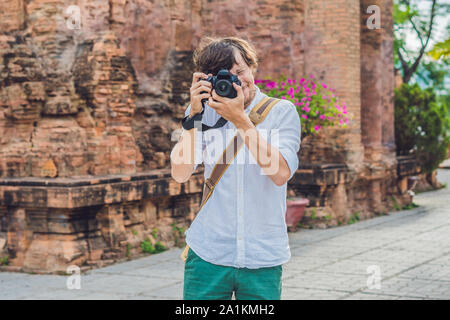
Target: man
pixel 238 240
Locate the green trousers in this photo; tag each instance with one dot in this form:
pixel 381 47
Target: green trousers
pixel 207 281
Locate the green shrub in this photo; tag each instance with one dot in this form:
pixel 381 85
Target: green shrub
pixel 422 126
pixel 159 247
pixel 148 247
pixel 4 261
pixel 354 218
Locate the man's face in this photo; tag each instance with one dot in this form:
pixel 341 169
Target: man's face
pixel 245 75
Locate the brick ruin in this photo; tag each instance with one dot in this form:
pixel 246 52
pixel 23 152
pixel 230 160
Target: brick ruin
pixel 87 116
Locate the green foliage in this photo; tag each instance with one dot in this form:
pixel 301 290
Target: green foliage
pixel 395 204
pixel 411 205
pixel 134 232
pixel 433 75
pixel 178 233
pixel 147 247
pixel 4 261
pixel 128 250
pixel 159 247
pixel 414 30
pixel 354 218
pixel 422 125
pixel 155 233
pixel 440 50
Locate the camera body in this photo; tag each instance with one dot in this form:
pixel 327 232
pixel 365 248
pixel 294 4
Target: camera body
pixel 223 84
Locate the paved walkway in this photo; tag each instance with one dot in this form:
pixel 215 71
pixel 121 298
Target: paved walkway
pixel 405 255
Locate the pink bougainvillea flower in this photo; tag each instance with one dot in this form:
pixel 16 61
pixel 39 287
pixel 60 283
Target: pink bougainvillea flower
pixel 306 109
pixel 324 85
pixel 283 97
pixel 317 128
pixel 311 76
pixel 304 116
pixel 341 121
pixel 322 117
pixel 271 85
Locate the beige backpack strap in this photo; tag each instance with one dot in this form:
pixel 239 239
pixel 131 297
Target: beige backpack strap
pixel 257 115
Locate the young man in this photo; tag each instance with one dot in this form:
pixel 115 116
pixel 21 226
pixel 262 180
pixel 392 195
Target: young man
pixel 238 240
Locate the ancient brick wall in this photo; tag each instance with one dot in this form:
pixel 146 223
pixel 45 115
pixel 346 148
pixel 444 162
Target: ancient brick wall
pixel 86 118
pixel 105 98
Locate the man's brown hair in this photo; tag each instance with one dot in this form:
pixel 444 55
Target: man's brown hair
pixel 214 54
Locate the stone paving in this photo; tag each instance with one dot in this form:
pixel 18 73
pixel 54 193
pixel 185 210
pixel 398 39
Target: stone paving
pixel 404 255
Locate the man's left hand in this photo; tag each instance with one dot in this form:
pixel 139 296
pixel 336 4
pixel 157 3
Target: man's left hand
pixel 231 109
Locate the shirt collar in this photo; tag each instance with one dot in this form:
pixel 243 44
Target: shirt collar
pixel 258 96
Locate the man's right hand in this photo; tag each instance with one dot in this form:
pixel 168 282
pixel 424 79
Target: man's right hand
pixel 200 89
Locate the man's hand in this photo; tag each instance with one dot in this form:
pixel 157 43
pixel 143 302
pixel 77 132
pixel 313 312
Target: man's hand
pixel 200 89
pixel 231 109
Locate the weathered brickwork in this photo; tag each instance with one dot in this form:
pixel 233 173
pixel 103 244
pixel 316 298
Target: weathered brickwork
pixel 87 115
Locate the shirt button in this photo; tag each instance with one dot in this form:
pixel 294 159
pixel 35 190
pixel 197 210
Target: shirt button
pixel 239 238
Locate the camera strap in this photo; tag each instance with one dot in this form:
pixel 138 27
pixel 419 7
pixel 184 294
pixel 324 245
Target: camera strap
pixel 257 115
pixel 188 123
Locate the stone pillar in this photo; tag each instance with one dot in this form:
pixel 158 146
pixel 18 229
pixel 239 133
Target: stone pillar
pixel 332 55
pixel 371 85
pixel 377 109
pixel 387 53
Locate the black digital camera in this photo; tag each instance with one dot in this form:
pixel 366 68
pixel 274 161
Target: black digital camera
pixel 223 84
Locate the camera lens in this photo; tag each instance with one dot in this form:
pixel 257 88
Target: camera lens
pixel 223 88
